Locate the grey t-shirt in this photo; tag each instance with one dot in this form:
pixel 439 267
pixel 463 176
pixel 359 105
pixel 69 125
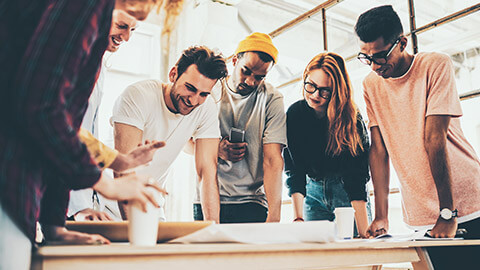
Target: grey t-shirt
pixel 262 115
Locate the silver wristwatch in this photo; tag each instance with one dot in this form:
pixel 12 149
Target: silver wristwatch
pixel 447 214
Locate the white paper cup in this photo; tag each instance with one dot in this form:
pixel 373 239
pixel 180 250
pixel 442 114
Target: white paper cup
pixel 143 227
pixel 344 217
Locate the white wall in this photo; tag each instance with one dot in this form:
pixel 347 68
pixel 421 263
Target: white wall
pixel 137 59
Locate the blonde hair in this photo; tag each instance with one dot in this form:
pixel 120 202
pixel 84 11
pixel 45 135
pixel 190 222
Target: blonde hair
pixel 141 8
pixel 341 111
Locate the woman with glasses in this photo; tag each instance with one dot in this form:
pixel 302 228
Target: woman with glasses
pixel 326 161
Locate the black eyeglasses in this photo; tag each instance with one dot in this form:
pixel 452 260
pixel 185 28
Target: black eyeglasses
pixel 378 58
pixel 311 88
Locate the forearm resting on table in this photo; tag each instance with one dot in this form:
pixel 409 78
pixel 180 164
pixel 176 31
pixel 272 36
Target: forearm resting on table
pixel 209 198
pixel 361 216
pixel 272 179
pixel 380 171
pixel 297 202
pixel 436 128
pixel 206 155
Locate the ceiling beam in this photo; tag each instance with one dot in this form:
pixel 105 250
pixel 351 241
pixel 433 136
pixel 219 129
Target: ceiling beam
pixel 305 16
pixel 449 18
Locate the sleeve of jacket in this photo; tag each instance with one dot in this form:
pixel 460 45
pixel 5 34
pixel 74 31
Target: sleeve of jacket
pixel 66 46
pixel 296 178
pixel 294 169
pixel 101 153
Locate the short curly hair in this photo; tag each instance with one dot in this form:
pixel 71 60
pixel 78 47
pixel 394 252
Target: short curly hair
pixel 378 22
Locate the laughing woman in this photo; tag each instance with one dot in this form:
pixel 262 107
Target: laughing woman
pixel 326 161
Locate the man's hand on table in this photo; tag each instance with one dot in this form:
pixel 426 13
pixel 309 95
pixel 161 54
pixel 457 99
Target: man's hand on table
pixel 64 236
pixel 444 228
pixel 231 151
pixel 274 217
pixel 89 214
pixel 378 227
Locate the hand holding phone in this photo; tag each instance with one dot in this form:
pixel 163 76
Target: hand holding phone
pixel 237 135
pixel 233 147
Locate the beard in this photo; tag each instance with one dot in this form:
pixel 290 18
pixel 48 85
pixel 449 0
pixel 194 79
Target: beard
pixel 241 87
pixel 244 89
pixel 177 99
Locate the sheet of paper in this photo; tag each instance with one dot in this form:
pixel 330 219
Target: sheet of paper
pixel 263 233
pixel 414 236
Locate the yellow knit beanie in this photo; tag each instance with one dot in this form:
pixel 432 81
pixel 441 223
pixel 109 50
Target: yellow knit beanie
pixel 258 42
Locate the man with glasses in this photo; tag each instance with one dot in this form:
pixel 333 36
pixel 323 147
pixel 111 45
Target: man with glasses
pixel 250 169
pixel 378 58
pixel 414 111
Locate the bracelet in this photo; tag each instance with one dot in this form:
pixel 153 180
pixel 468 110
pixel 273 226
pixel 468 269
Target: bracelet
pixel 298 219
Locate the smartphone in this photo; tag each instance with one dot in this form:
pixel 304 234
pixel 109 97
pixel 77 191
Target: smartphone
pixel 237 135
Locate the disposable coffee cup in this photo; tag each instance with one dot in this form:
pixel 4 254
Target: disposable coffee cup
pixel 143 226
pixel 344 217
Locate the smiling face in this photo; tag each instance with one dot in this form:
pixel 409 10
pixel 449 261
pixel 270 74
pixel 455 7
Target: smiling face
pixel 249 71
pixel 320 79
pixel 188 91
pixel 122 27
pixel 393 67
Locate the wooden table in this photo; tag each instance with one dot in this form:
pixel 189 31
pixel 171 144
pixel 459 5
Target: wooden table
pixel 120 256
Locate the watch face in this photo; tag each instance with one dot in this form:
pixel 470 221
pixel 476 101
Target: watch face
pixel 446 213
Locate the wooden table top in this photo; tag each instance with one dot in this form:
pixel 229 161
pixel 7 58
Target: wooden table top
pixel 119 249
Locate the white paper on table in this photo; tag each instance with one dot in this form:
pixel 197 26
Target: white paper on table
pixel 263 233
pixel 414 236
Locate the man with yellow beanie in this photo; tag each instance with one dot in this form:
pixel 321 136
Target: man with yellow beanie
pixel 250 162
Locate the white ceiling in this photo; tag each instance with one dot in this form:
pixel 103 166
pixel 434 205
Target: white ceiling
pixel 300 43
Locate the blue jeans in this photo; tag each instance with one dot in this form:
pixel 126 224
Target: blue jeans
pixel 236 213
pixel 323 196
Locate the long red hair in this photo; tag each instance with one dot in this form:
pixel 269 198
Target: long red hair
pixel 341 111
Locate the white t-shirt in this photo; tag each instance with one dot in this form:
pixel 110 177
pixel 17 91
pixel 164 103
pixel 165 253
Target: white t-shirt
pixel 142 105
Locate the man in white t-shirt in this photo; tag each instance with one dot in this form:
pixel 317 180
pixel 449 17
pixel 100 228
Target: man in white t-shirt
pixel 86 204
pixel 174 113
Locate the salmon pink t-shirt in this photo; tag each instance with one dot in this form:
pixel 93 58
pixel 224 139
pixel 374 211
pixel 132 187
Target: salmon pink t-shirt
pixel 399 107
